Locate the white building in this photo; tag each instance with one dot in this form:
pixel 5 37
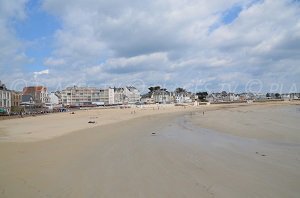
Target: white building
pixel 119 96
pixel 260 96
pixel 132 95
pixel 162 96
pixel 182 97
pixel 54 101
pixel 295 96
pixel 5 98
pixel 127 95
pixel 81 96
pixel 53 98
pixel 230 97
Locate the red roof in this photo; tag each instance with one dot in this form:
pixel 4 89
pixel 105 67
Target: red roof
pixel 28 90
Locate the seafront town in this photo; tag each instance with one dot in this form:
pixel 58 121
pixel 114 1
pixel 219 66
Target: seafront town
pixel 37 99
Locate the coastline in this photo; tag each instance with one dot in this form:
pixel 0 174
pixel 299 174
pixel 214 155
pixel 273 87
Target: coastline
pixel 49 126
pixel 276 122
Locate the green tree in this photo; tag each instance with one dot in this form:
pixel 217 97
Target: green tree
pixel 202 96
pixel 152 89
pixel 180 90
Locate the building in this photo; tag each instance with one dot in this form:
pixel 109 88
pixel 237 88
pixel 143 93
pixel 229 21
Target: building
pixel 162 96
pixel 214 97
pixel 53 98
pixel 132 95
pixel 54 101
pixel 182 97
pixel 246 96
pixel 230 97
pixel 119 96
pixel 27 100
pixel 286 97
pixel 39 94
pixel 5 98
pixel 295 96
pixel 107 96
pixel 147 99
pixel 126 95
pixel 260 97
pixel 16 98
pixel 84 96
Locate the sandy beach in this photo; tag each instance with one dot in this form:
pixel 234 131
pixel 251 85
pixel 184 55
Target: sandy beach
pixel 58 124
pixel 230 151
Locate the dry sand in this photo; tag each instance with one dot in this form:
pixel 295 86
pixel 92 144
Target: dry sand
pixel 182 159
pixel 54 125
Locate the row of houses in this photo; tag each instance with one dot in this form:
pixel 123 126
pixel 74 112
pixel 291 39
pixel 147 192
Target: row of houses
pixel 229 97
pixel 233 97
pixel 39 97
pixel 163 96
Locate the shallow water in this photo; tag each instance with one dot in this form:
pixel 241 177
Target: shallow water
pixel 260 167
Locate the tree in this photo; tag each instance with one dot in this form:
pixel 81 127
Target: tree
pixel 180 90
pixel 277 96
pixel 152 89
pixel 202 96
pixel 268 95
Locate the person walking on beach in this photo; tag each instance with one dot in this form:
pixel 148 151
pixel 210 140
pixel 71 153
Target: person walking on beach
pixel 203 113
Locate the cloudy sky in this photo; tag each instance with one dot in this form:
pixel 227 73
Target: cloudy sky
pixel 232 45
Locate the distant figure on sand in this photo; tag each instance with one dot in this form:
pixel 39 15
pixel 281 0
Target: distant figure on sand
pixel 203 112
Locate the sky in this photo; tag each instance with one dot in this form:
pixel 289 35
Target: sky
pixel 200 45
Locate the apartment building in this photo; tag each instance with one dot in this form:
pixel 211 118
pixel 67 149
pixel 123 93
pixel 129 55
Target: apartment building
pixel 119 95
pixel 132 94
pixel 81 96
pixel 127 95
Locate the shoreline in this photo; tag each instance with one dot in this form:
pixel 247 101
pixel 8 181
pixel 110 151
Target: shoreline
pixel 49 126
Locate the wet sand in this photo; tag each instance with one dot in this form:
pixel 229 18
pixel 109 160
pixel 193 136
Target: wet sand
pixel 166 155
pixel 269 122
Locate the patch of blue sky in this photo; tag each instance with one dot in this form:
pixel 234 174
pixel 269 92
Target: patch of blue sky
pixel 228 16
pixel 37 30
pixel 37 24
pixel 231 14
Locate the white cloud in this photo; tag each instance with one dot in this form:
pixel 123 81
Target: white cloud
pixel 36 74
pixel 172 42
